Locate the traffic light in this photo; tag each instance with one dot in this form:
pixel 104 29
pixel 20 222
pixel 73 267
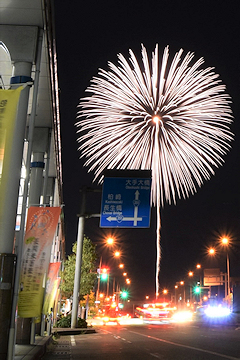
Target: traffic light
pixel 104 274
pixel 124 294
pixel 197 289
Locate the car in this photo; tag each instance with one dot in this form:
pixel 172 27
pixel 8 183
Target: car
pixel 155 312
pixel 111 316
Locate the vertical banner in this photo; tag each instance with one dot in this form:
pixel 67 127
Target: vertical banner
pixel 54 296
pixel 8 108
pixel 57 304
pixel 40 230
pixel 50 287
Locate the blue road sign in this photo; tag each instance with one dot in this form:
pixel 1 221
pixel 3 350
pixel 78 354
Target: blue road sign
pixel 126 202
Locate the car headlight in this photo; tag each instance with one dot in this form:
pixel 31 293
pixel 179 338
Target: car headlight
pixel 182 316
pixel 217 311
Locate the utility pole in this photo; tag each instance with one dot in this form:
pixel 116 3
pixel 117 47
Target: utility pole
pixel 80 236
pixel 98 287
pixel 77 277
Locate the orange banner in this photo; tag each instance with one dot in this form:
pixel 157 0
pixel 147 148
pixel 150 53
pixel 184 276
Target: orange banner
pixel 39 235
pixel 54 295
pixel 52 276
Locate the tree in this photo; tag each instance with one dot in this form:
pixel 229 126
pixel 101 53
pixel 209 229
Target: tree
pixel 89 303
pixel 88 270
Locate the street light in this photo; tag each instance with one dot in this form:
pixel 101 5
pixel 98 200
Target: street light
pixel 110 241
pixel 165 292
pixel 211 251
pixel 225 242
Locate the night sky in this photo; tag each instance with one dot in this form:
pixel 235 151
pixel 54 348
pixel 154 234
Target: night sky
pixel 91 33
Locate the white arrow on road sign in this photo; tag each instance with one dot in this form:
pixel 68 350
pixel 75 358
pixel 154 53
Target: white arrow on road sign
pixel 135 218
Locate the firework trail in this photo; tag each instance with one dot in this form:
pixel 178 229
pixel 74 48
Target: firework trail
pixel 171 117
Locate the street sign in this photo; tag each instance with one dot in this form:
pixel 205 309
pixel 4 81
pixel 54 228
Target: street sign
pixel 212 277
pixel 126 202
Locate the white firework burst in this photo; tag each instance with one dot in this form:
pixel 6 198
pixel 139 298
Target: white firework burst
pixel 173 118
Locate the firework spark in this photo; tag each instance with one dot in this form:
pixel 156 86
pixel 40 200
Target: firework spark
pixel 173 118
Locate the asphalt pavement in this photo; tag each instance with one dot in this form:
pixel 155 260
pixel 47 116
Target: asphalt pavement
pixel 37 351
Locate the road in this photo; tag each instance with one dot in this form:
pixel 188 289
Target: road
pixel 146 342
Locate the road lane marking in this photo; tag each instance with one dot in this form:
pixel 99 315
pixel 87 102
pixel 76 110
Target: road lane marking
pixel 187 346
pixel 73 342
pixel 156 355
pixel 106 331
pixel 117 337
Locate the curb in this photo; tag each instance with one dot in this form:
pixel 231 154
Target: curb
pixel 69 331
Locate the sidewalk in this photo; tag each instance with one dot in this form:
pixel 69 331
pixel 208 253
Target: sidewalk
pixel 32 352
pixel 36 351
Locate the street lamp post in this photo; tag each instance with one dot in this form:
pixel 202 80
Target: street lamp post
pixel 108 285
pixel 190 274
pixel 182 284
pixel 211 252
pixel 184 292
pixel 228 274
pixel 225 242
pixel 99 275
pixel 198 267
pixel 176 287
pixel 165 292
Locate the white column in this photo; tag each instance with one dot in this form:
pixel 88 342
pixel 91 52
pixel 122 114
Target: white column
pixel 36 178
